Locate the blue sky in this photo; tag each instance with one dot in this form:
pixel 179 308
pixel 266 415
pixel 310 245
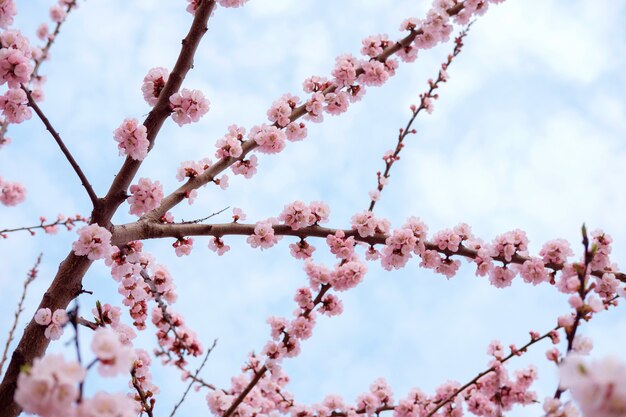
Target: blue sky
pixel 528 133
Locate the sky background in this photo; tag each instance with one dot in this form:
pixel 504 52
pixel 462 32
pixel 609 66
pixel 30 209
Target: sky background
pixel 528 133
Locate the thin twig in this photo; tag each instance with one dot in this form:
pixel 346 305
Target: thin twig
pixel 32 274
pixel 193 378
pixel 204 218
pixel 146 406
pixel 31 102
pixel 68 223
pixel 424 105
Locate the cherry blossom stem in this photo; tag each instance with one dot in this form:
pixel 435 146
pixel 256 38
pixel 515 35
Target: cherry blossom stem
pixel 32 274
pixel 145 404
pixel 68 223
pixel 67 283
pixel 151 230
pixel 68 155
pixel 194 378
pixel 441 77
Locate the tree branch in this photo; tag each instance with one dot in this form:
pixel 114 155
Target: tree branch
pixel 32 274
pixel 83 179
pixel 67 283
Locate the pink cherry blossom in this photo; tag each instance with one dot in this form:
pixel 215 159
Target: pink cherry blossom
pixel 217 245
pixel 132 139
pixel 14 106
pixel 145 196
pixel 183 246
pixel 93 241
pixel 269 138
pixel 114 357
pixel 598 387
pixel 153 84
pixel 49 387
pixel 57 13
pixel 263 236
pixel 11 193
pixel 188 106
pixel 108 405
pixel 43 316
pixel 246 167
pixel 7 12
pixel 15 67
pixel 295 131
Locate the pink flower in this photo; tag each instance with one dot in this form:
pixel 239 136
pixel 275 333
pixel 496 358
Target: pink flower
pixel 228 147
pixel 217 245
pixel 108 405
pixel 374 73
pixel 301 250
pixel 263 236
pixel 57 13
pixel 114 356
pixel 153 84
pixel 132 139
pixel 501 277
pixel 14 105
pixel 49 387
pixel 43 316
pixel 53 332
pixel 42 32
pixel 231 3
pixel 367 225
pixel 269 138
pixel 297 215
pixel 60 317
pixel 188 106
pixel 556 251
pixel 93 241
pixel 247 167
pixel 145 196
pixel 183 246
pixel 7 12
pixel 534 271
pixel 11 193
pixel 599 387
pixel 238 214
pixel 374 45
pixel 345 70
pixel 280 111
pixel 295 131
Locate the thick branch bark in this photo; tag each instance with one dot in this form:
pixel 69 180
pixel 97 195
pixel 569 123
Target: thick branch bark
pixel 153 230
pixel 67 283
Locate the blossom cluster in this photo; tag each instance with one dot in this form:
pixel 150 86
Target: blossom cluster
pixel 50 386
pixel 599 388
pixel 132 139
pixel 11 193
pixel 54 322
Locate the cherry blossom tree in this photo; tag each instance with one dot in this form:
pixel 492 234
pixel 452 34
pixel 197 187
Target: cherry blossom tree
pixel 155 208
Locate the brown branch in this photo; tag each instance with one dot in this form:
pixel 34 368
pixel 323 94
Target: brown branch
pixel 67 283
pixel 149 230
pixel 147 406
pixel 70 158
pixel 32 274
